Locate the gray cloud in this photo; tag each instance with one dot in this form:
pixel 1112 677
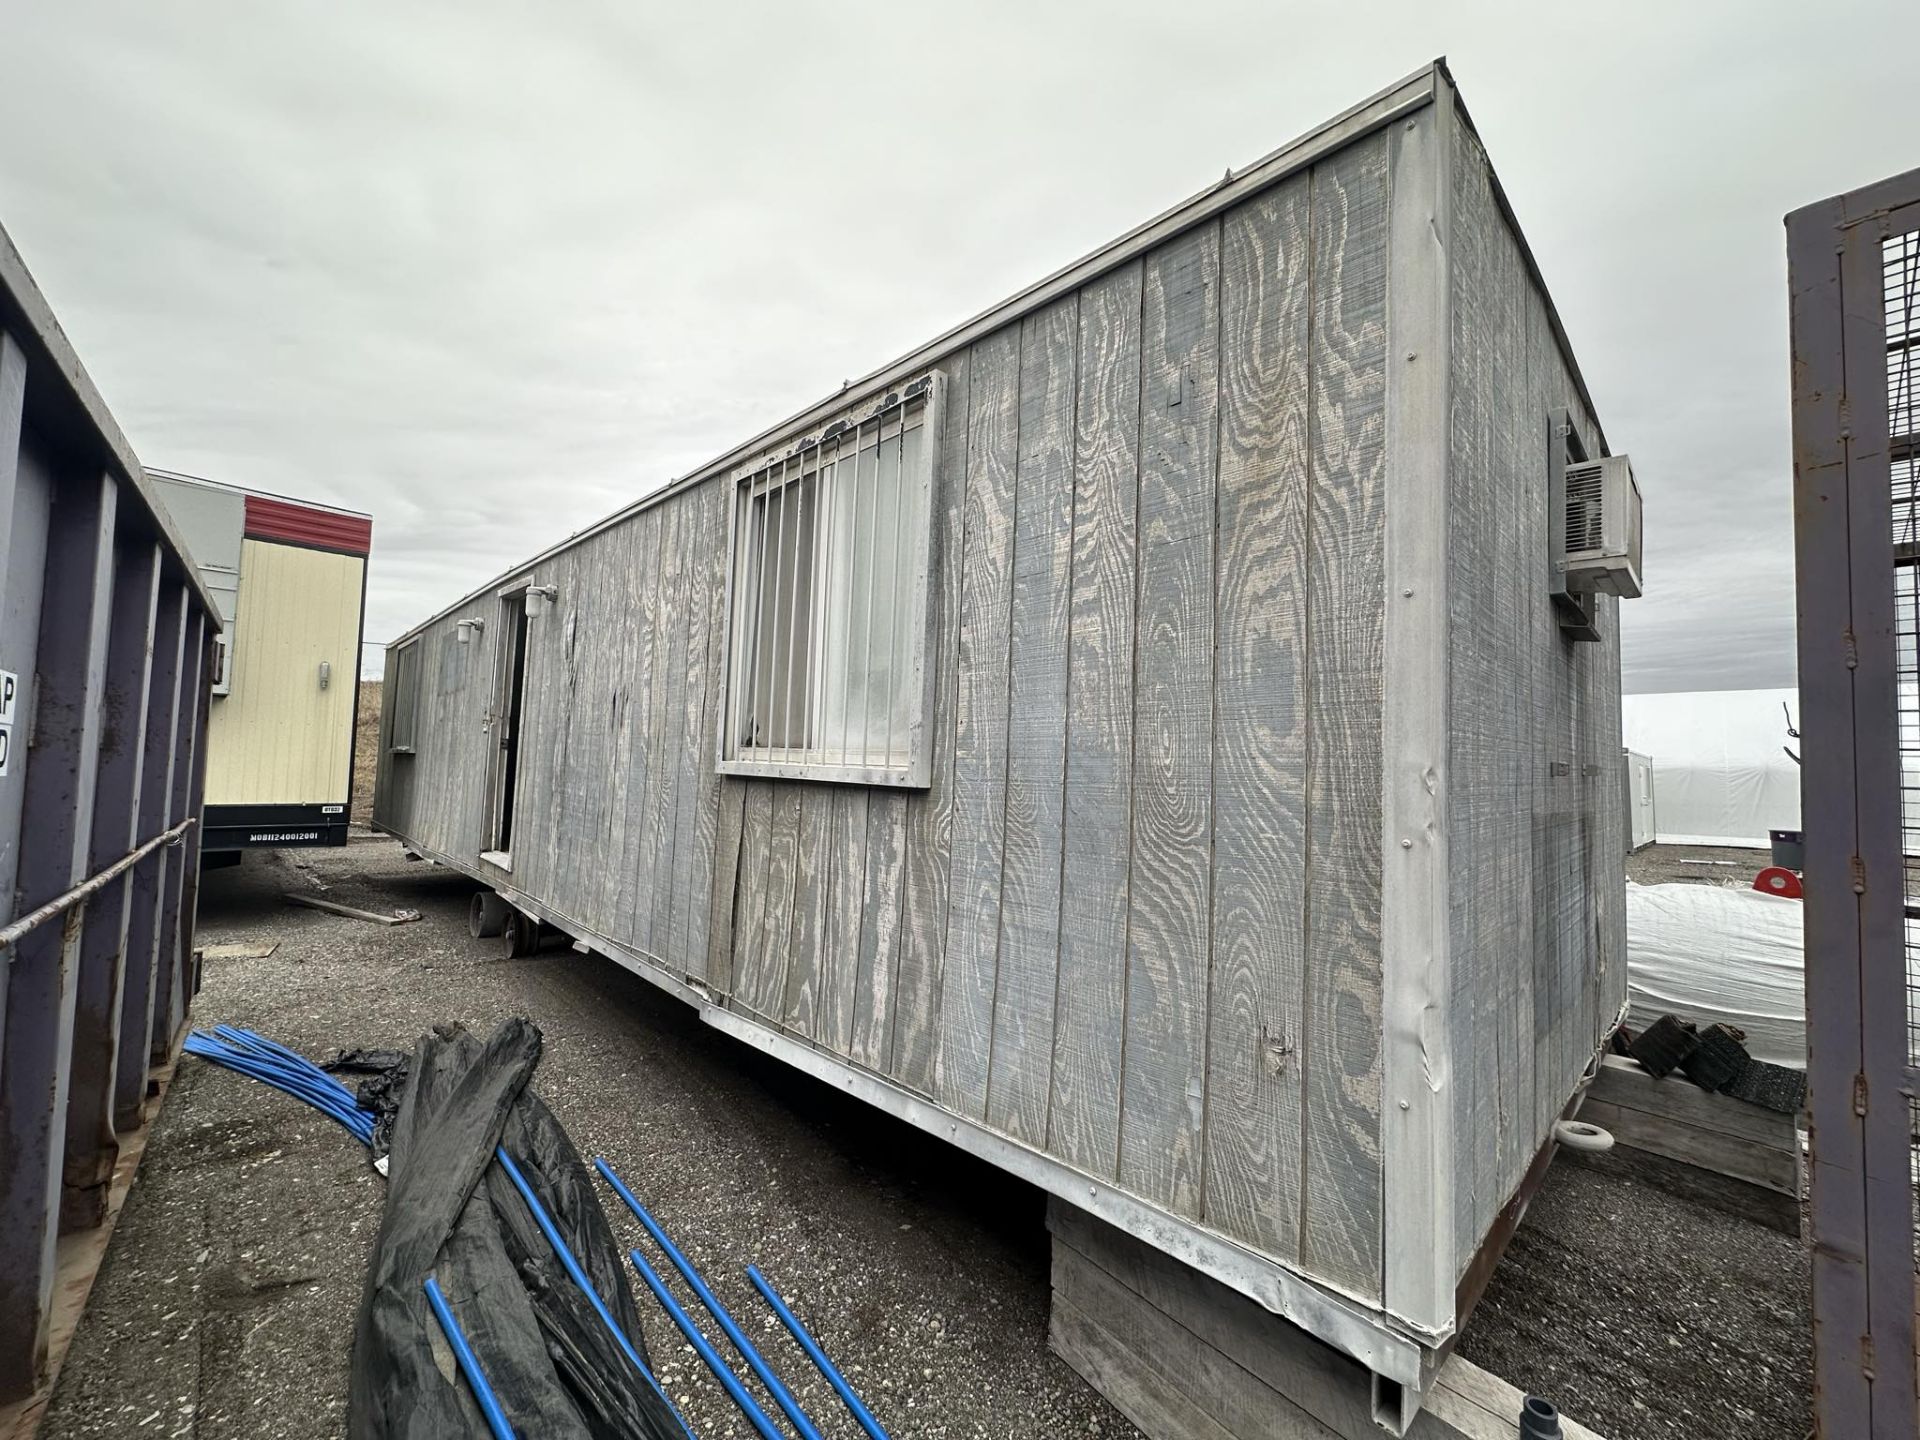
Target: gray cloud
pixel 491 270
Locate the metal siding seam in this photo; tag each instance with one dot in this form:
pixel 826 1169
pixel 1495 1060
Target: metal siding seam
pixel 1416 1093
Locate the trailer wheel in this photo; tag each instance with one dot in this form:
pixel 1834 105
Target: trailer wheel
pixel 522 934
pixel 487 916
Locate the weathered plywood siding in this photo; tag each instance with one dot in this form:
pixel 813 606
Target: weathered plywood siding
pixel 1536 831
pixel 1133 921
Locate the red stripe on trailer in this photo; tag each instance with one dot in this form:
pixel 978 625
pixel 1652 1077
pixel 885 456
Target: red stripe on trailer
pixel 297 524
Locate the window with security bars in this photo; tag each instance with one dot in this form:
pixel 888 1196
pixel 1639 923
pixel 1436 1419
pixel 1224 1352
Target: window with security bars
pixel 1900 259
pixel 827 599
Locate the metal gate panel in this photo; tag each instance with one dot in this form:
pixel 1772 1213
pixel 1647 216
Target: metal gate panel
pixel 1854 281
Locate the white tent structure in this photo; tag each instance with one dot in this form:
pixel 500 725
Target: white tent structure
pixel 1721 772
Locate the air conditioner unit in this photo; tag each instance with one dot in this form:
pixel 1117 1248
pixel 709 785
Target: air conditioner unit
pixel 1602 527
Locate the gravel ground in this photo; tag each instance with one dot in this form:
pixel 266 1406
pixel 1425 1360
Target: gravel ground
pixel 1696 865
pixel 226 1302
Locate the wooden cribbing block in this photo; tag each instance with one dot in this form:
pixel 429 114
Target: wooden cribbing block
pixel 1185 1358
pixel 1716 1149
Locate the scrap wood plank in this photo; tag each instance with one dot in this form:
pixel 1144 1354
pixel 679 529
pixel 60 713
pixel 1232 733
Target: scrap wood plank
pixel 1189 1345
pixel 1628 1084
pixel 1464 1402
pixel 1735 1156
pixel 314 902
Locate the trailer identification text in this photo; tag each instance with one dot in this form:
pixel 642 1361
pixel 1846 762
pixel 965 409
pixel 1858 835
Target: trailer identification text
pixel 9 692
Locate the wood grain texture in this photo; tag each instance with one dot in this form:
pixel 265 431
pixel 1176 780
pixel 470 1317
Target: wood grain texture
pixel 751 986
pixel 773 948
pixel 918 979
pixel 1478 934
pixel 695 798
pixel 1258 996
pixel 1163 1105
pixel 1533 713
pixel 725 896
pixel 840 960
pixel 647 664
pixel 807 941
pixel 664 608
pixel 980 730
pixel 668 716
pixel 1201 1390
pixel 1330 1386
pixel 879 888
pixel 1084 1116
pixel 1022 1042
pixel 1341 1179
pixel 621 633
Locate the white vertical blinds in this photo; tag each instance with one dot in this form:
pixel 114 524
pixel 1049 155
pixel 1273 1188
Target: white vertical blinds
pixel 828 593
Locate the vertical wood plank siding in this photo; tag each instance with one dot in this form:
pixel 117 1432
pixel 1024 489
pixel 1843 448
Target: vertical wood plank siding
pixel 1258 988
pixel 1340 1160
pixel 1163 1079
pixel 1134 920
pixel 1021 1057
pixel 1537 930
pixel 980 729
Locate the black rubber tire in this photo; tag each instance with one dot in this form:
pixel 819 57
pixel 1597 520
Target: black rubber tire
pixel 487 916
pixel 522 934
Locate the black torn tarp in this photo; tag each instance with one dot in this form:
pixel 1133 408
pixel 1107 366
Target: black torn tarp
pixel 384 1082
pixel 453 1213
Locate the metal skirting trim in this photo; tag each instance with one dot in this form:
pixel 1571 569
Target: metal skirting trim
pixel 1370 1336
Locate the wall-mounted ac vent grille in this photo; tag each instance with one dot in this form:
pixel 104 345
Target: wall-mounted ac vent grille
pixel 1602 527
pixel 1586 519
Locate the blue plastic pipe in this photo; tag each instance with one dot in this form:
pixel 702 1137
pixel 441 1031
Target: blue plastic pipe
pixel 469 1365
pixel 303 1081
pixel 579 1277
pixel 783 1396
pixel 756 1417
pixel 817 1355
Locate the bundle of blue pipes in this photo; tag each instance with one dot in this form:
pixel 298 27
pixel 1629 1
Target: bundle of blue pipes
pixel 265 1060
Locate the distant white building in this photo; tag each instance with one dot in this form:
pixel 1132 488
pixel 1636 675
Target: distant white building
pixel 1721 771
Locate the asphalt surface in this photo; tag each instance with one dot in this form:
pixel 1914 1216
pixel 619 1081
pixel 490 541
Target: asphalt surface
pixel 225 1305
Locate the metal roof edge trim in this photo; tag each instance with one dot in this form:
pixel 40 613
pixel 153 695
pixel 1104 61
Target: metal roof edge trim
pixel 1355 123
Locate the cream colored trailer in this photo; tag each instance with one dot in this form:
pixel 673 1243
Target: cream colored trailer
pixel 290 579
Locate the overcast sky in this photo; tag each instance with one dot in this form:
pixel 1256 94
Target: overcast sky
pixel 491 270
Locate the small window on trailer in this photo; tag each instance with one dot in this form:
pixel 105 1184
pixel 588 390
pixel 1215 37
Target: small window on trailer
pixel 827 610
pixel 404 703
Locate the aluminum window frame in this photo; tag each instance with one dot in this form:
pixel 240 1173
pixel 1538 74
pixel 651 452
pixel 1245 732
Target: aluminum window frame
pixel 918 404
pixel 406 698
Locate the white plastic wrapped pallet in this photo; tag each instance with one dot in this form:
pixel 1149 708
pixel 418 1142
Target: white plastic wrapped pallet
pixel 1710 954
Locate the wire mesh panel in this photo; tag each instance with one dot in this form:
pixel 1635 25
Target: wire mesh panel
pixel 1854 278
pixel 1900 285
